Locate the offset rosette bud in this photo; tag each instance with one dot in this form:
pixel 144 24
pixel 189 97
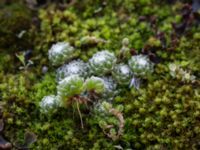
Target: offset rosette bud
pixel 140 65
pixel 122 74
pixel 76 67
pixel 95 84
pixel 177 72
pixel 69 87
pixel 60 53
pixel 102 63
pixel 49 102
pixel 125 50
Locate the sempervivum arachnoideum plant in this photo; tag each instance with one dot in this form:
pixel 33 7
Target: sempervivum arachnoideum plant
pixel 122 74
pixel 49 103
pixel 60 53
pixel 106 85
pixel 69 91
pixel 140 65
pixel 102 63
pixel 70 87
pixel 72 90
pixel 75 67
pixel 110 87
pixel 95 84
pixel 74 87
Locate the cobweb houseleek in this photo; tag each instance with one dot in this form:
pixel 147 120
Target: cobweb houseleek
pixel 71 90
pixel 68 90
pixel 102 63
pixel 61 52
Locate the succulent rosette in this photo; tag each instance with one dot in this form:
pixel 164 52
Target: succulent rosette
pixel 95 84
pixel 61 52
pixel 102 63
pixel 70 86
pixel 49 102
pixel 140 65
pixel 110 87
pixel 122 74
pixel 75 67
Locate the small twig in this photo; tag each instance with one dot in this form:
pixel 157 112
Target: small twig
pixel 120 117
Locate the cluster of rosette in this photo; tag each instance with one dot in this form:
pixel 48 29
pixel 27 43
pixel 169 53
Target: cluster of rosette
pixel 102 76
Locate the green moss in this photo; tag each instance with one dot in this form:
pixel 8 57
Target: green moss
pixel 162 113
pixel 45 86
pixel 14 27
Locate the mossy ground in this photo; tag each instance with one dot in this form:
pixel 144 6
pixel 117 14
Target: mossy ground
pixel 163 114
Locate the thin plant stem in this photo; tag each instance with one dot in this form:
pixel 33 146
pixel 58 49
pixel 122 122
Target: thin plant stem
pixel 73 110
pixel 79 112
